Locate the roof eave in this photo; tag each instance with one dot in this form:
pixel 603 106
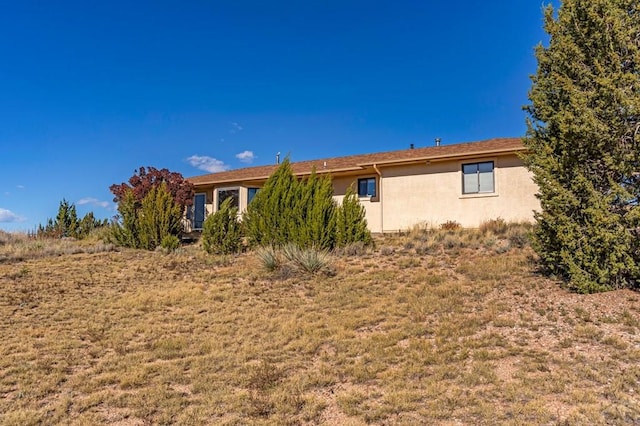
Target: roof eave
pixel 444 157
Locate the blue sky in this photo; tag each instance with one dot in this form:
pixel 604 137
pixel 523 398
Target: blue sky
pixel 90 91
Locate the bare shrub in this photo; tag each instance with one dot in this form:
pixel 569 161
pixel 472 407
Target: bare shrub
pixel 450 225
pixel 518 236
pixel 496 226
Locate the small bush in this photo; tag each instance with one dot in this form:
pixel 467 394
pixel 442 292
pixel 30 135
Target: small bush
pixel 309 260
pixel 291 258
pixel 496 226
pixel 358 248
pixel 450 225
pixel 351 221
pixel 221 233
pixel 170 243
pixel 452 241
pixel 269 258
pixel 387 251
pixel 145 225
pixel 518 236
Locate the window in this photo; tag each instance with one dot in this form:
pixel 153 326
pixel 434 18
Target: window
pixel 251 192
pixel 477 178
pixel 233 193
pixel 367 187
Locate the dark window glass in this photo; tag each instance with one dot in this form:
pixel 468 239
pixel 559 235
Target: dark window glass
pixel 367 187
pixel 223 194
pixel 251 192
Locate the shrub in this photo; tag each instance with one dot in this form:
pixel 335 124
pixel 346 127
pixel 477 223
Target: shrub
pixel 291 258
pixel 126 229
pixel 221 232
pixel 311 259
pixel 450 225
pixel 497 226
pixel 518 236
pixel 170 243
pixel 160 216
pixel 357 248
pixel 145 179
pixel 147 225
pixel 269 218
pixel 351 221
pixel 269 258
pixel 287 210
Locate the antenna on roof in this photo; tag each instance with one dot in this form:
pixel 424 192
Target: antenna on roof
pixel 438 140
pixel 278 158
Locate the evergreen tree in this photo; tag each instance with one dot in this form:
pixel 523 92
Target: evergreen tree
pixel 584 143
pixel 320 215
pixel 221 233
pixel 126 231
pixel 66 222
pixel 159 216
pixel 268 218
pixel 351 221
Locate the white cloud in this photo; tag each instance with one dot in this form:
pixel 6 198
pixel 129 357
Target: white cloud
pixel 235 127
pixel 246 156
pixel 20 186
pixel 94 202
pixel 208 164
pixel 7 216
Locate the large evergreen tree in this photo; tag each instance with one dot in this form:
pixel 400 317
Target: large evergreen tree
pixel 584 141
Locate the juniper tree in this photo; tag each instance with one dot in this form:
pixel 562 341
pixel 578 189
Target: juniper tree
pixel 584 143
pixel 146 225
pixel 159 217
pixel 314 220
pixel 287 210
pixel 268 218
pixel 351 221
pixel 221 233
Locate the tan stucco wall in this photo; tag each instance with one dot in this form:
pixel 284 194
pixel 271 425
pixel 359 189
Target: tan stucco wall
pixel 431 194
pixel 373 207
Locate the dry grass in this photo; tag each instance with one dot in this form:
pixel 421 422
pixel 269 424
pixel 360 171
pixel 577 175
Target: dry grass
pixel 432 327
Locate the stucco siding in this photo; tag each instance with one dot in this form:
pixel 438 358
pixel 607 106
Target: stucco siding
pixel 372 206
pixel 431 194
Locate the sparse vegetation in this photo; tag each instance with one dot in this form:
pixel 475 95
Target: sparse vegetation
pixel 450 225
pixel 465 333
pixel 66 224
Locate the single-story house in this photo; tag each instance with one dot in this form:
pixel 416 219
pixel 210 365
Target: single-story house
pixel 466 182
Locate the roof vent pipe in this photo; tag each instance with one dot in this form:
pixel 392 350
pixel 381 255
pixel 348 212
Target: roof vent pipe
pixel 411 146
pixel 278 158
pixel 438 141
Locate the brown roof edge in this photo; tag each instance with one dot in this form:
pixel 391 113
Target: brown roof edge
pixel 444 157
pixel 356 162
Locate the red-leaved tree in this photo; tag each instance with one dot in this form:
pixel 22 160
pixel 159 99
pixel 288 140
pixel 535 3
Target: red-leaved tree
pixel 149 177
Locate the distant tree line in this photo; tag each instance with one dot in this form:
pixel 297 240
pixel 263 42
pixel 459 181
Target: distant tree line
pixel 67 224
